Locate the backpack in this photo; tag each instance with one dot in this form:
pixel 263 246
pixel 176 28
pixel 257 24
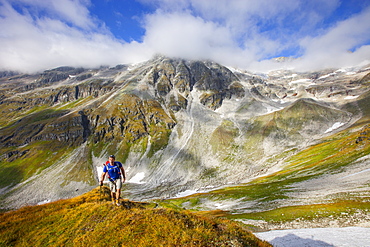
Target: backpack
pixel 119 170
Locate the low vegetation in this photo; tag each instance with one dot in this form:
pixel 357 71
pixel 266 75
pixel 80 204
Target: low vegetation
pixel 35 158
pixel 264 197
pixel 91 220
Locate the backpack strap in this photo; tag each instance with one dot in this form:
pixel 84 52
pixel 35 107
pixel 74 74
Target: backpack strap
pixel 106 165
pixel 119 170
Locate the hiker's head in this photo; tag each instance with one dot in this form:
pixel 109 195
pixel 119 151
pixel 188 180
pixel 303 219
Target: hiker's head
pixel 112 157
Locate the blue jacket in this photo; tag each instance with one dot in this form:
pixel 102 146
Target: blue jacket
pixel 114 171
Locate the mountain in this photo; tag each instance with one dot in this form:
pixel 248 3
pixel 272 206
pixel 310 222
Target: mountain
pixel 182 127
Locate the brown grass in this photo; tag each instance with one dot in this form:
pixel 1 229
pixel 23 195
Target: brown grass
pixel 91 220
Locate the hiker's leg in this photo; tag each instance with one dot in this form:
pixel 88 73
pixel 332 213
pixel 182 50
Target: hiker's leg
pixel 119 186
pixel 112 187
pixel 118 194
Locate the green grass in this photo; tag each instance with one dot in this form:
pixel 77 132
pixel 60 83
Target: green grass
pixel 73 104
pixel 10 118
pixel 264 193
pixel 307 212
pixel 338 151
pixel 160 136
pixel 40 155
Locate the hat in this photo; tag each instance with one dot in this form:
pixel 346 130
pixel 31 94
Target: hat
pixel 112 156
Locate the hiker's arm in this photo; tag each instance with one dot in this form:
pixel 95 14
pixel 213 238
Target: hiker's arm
pixel 123 174
pixel 102 178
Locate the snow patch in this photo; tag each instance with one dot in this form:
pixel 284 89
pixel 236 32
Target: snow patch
pixel 224 205
pixel 137 179
pixel 335 126
pixel 99 171
pixel 271 109
pixel 186 193
pixel 326 76
pixel 351 97
pixel 300 81
pixel 44 202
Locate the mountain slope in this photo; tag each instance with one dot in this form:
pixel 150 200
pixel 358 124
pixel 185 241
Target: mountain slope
pixel 179 126
pixel 91 220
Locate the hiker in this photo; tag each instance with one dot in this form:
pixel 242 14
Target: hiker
pixel 116 176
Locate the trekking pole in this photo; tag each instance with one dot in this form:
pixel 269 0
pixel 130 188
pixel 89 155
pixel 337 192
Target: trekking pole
pixel 100 191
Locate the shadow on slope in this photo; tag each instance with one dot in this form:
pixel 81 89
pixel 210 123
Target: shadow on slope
pixel 294 240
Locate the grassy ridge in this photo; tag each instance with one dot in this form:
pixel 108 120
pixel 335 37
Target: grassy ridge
pixel 91 220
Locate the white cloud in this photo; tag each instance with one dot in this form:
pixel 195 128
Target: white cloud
pixel 240 33
pixel 74 12
pixel 333 47
pixel 32 43
pixel 183 35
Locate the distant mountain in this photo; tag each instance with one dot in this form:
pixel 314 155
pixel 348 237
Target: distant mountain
pixel 181 127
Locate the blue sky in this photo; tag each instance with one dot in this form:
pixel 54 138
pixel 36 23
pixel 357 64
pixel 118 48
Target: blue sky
pixel 41 34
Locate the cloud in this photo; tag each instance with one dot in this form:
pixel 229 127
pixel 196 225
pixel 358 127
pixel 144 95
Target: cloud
pixel 42 34
pixel 31 41
pixel 183 35
pixel 334 48
pixel 248 33
pixel 264 27
pixel 73 12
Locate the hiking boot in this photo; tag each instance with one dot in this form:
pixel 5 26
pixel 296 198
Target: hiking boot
pixel 118 203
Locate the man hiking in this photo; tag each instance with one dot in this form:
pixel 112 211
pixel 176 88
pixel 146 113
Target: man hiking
pixel 116 176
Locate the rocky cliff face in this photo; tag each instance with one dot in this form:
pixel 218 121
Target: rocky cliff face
pixel 176 125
